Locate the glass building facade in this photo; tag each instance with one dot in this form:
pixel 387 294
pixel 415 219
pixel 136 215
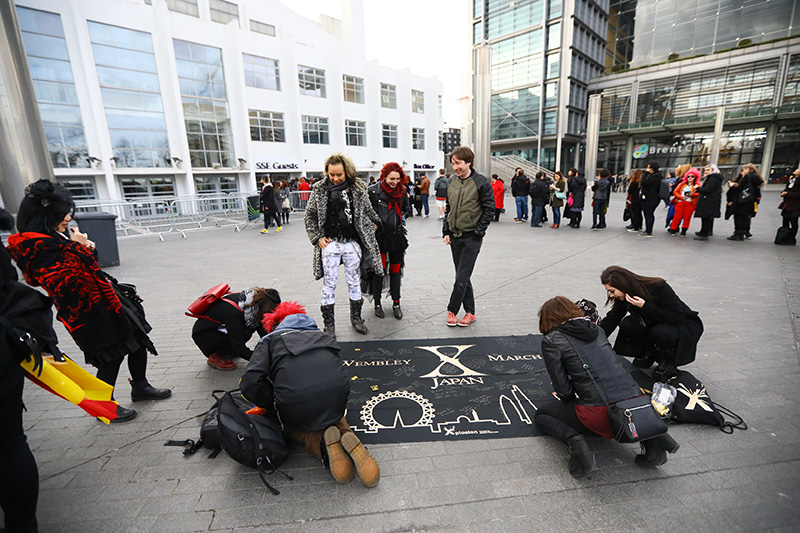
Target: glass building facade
pixel 126 70
pixel 53 82
pixel 205 105
pixel 645 32
pixel 539 82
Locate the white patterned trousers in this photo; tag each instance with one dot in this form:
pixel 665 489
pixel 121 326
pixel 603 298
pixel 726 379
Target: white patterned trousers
pixel 335 253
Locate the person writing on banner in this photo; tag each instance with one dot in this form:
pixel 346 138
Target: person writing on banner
pixel 571 343
pixel 90 305
pixel 296 374
pixel 222 333
pixel 655 326
pixel 340 224
pixel 389 199
pixel 470 208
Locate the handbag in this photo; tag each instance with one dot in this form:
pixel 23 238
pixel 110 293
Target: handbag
pixel 570 201
pixel 632 420
pixel 286 204
pixel 561 195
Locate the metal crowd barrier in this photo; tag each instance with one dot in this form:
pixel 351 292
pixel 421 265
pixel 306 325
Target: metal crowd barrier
pixel 179 214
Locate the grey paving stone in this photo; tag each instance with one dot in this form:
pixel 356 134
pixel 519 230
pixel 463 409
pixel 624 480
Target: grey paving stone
pixel 748 358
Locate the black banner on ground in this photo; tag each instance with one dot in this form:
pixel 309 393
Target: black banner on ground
pixel 445 389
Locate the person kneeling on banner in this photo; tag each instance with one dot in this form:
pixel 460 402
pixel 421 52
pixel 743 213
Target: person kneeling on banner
pixel 224 328
pixel 587 378
pixel 655 326
pixel 296 373
pixel 105 318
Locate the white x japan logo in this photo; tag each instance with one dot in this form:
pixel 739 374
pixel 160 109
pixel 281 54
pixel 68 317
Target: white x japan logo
pixel 451 359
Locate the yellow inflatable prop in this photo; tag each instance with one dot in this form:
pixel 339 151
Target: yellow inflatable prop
pixel 64 378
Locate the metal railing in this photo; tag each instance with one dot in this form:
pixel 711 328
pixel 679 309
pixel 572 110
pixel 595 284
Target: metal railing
pixel 180 214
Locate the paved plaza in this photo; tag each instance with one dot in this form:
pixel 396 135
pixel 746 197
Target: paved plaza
pixel 121 478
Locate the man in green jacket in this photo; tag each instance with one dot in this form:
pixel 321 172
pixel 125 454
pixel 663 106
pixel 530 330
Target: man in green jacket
pixel 470 208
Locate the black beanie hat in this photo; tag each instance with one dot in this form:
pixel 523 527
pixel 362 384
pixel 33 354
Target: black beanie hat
pixel 45 205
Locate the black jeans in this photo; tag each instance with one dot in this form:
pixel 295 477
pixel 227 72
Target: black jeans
pixel 599 213
pixel 465 250
pixel 137 366
pixel 649 210
pixel 19 476
pixel 706 226
pixel 636 216
pixel 791 223
pixel 269 217
pixel 741 224
pixel 634 340
pixel 560 420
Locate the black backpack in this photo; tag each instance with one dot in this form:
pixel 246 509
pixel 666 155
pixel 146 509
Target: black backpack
pixel 665 190
pixel 694 406
pixel 253 440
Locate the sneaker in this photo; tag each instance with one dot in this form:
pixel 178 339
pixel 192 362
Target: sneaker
pixel 424 216
pixel 339 462
pixel 220 363
pixel 516 220
pixel 468 319
pixel 451 319
pixel 645 234
pixel 265 230
pixel 701 238
pixel 278 229
pixel 634 230
pixel 366 466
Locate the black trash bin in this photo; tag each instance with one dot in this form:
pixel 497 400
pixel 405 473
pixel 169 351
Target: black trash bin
pixel 101 228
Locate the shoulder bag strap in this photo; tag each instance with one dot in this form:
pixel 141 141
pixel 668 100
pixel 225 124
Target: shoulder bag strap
pixel 589 371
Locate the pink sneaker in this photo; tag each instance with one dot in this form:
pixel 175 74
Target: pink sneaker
pixel 451 319
pixel 468 319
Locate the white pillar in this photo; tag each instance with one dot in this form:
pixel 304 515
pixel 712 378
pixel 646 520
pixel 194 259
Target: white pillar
pixel 592 135
pixel 482 123
pixel 24 156
pixel 719 123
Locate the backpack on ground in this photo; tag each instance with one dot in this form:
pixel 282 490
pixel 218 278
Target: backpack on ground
pixel 693 405
pixel 253 440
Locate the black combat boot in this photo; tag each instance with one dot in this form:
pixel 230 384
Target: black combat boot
pixel 581 456
pixel 355 316
pixel 142 390
pixel 123 415
pixel 328 320
pixel 655 451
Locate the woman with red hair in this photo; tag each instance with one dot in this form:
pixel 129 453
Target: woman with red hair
pixel 390 201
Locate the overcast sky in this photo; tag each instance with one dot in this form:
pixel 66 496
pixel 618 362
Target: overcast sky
pixel 431 37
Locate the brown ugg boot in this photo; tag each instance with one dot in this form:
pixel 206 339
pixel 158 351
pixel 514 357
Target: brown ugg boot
pixel 366 466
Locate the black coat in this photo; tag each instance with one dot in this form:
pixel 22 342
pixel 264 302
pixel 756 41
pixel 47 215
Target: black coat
pixel 710 197
pixel 267 198
pixel 232 317
pixel 391 234
pixel 577 188
pixel 298 373
pixel 734 194
pixel 560 349
pixel 790 205
pixel 539 192
pixel 663 307
pixel 601 188
pixel 634 193
pixel 520 185
pixel 651 186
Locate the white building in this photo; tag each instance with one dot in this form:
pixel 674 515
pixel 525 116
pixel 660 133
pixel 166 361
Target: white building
pixel 178 97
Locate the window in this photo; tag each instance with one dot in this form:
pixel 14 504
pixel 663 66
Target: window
pixel 311 80
pixel 355 133
pixel 147 187
pixel 389 135
pixel 187 7
pixel 266 126
pixel 417 101
pixel 260 27
pixel 261 72
pixel 126 69
pixel 224 12
pixel 80 188
pixel 418 138
pixel 54 86
pixel 216 185
pixel 201 80
pixel 388 96
pixel 315 130
pixel 353 89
